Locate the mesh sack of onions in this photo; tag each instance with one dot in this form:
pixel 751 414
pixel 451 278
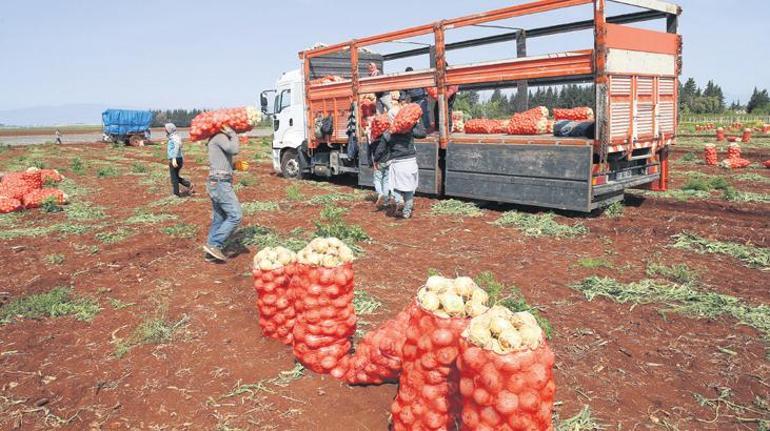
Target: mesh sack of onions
pixel 9 205
pixel 428 393
pixel 378 355
pixel 532 122
pixel 47 175
pixel 506 373
pixel 380 124
pixel 458 122
pixel 710 155
pixel 450 91
pixel 735 163
pixel 273 271
pixel 24 180
pixel 582 113
pixel 208 124
pixel 15 191
pixel 482 126
pixel 734 151
pixel 322 288
pixel 35 198
pixel 767 164
pixel 406 118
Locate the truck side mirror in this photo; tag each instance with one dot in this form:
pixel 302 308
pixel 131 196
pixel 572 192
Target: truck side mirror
pixel 263 102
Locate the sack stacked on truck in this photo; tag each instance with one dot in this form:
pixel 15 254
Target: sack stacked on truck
pixel 323 298
pixel 273 271
pixel 450 91
pixel 208 124
pixel 378 355
pixel 406 119
pixel 458 122
pixel 428 394
pixel 483 126
pixel 582 113
pixel 532 122
pixel 506 373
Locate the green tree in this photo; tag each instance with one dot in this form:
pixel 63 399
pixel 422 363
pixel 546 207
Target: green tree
pixel 759 102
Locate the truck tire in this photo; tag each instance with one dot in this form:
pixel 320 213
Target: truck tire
pixel 290 166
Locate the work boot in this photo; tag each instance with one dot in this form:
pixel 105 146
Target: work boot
pixel 209 258
pixel 380 203
pixel 215 252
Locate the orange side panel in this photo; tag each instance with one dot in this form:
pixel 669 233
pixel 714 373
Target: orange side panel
pixel 558 65
pixel 637 39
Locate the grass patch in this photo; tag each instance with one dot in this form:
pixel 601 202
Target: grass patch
pixel 751 256
pixel 283 379
pixel 38 231
pixel 155 329
pixel 84 211
pixel 689 158
pixel 10 219
pixel 149 218
pixel 114 236
pixel 754 178
pixel 117 304
pixel 511 298
pixel 168 201
pixel 72 189
pixel 679 195
pixel 723 406
pixel 686 299
pixel 331 224
pixel 250 208
pixel 594 263
pixel 331 198
pixel 294 193
pixel 181 231
pixel 538 225
pixel 262 237
pixel 247 181
pixel 705 183
pixel 733 195
pixel 107 172
pixel 583 421
pixel 56 303
pixel 677 273
pixel 77 166
pixel 50 205
pixel 139 168
pixel 615 210
pixel 364 303
pixel 54 259
pixel 455 208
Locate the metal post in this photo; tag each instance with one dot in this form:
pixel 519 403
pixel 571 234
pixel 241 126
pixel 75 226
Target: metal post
pixel 522 87
pixel 355 78
pixel 601 79
pixel 443 119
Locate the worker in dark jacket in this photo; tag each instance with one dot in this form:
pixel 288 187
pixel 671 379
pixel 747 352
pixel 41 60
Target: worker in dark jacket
pixel 420 97
pixel 378 151
pixel 226 210
pixel 404 172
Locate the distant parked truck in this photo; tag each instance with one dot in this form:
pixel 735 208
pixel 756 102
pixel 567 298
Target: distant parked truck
pixel 129 127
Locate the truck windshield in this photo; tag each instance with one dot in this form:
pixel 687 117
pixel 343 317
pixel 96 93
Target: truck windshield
pixel 282 101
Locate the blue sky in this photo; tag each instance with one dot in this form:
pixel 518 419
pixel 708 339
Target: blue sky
pixel 196 53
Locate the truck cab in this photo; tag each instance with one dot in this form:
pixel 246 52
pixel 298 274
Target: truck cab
pixel 287 109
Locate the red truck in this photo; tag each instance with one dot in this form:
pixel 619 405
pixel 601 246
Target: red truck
pixel 633 71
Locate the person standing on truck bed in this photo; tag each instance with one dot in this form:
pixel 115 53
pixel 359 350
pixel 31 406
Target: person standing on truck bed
pixel 420 97
pixel 383 98
pixel 404 172
pixel 226 210
pixel 176 161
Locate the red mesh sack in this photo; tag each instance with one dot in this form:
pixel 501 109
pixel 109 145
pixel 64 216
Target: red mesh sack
pixel 767 164
pixel 710 155
pixel 35 198
pixel 734 151
pixel 380 124
pixel 14 191
pixel 50 176
pixel 736 163
pixel 9 205
pixel 482 126
pixel 323 299
pixel 27 180
pixel 532 122
pixel 406 118
pixel 582 113
pixel 512 392
pixel 275 302
pixel 433 91
pixel 368 108
pixel 428 393
pixel 208 124
pixel 378 356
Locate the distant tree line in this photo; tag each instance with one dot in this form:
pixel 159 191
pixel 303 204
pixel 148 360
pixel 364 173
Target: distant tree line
pixel 180 117
pixel 711 100
pixel 502 105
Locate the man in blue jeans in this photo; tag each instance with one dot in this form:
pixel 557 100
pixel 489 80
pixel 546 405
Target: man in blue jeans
pixel 226 210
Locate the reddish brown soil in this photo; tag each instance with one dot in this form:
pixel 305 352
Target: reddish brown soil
pixel 633 367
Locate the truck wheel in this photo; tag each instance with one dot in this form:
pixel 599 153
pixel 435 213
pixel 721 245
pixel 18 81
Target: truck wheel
pixel 290 167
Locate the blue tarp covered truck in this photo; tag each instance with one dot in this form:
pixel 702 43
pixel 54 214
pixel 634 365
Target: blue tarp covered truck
pixel 129 127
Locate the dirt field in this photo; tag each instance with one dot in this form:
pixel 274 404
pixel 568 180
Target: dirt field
pixel 634 367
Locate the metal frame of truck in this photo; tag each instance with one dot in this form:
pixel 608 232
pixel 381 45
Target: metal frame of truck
pixel 635 72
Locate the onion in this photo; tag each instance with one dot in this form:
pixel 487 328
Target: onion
pixel 465 286
pixel 499 325
pixel 430 301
